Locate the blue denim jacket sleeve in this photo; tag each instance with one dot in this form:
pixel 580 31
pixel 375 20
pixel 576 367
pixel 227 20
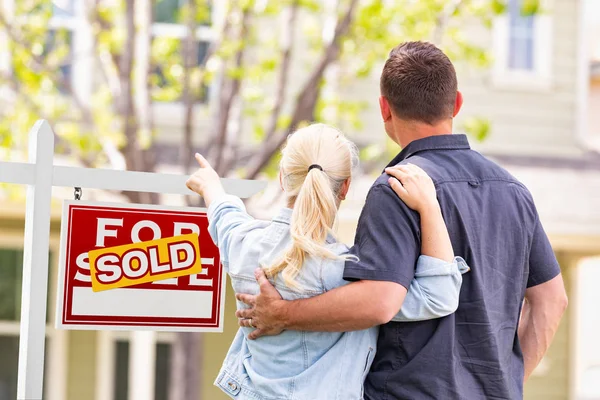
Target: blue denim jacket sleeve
pixel 225 214
pixel 434 291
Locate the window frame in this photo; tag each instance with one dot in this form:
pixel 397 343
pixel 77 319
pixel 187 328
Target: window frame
pixel 540 76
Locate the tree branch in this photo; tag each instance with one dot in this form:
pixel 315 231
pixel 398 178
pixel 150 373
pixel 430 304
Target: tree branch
pixel 189 60
pixel 231 88
pixel 214 45
pixel 108 62
pixel 286 58
pixel 48 70
pixel 307 100
pixel 443 19
pixel 12 84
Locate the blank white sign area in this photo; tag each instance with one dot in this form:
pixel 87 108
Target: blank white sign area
pixel 142 303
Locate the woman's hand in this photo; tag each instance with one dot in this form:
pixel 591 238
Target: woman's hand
pixel 205 181
pixel 414 187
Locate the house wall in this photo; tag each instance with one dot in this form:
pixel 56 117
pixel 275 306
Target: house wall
pixel 531 121
pixel 525 119
pixel 594 112
pixel 81 377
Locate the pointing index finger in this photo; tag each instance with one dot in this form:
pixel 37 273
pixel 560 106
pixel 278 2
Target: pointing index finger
pixel 202 161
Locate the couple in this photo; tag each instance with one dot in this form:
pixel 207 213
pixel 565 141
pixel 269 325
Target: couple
pixel 393 317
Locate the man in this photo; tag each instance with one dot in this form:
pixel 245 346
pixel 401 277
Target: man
pixel 488 347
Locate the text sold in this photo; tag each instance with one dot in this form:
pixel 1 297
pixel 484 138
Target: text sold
pixel 143 262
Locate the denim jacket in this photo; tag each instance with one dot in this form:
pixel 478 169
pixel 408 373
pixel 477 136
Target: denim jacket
pixel 308 365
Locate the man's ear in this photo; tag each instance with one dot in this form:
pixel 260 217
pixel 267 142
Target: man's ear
pixel 457 103
pixel 384 106
pixel 344 189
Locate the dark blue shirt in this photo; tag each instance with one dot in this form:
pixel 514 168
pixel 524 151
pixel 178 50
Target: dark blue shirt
pixel 493 224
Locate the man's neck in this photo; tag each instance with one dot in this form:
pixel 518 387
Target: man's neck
pixel 409 131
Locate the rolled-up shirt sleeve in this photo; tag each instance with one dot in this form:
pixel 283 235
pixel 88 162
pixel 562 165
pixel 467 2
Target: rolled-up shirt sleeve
pixel 435 291
pixel 387 242
pixel 543 265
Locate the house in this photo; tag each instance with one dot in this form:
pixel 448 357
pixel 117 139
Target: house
pixel 542 98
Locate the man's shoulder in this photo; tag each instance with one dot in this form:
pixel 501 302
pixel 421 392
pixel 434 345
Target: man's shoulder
pixel 381 191
pixel 384 202
pixel 491 170
pixel 465 165
pixel 380 183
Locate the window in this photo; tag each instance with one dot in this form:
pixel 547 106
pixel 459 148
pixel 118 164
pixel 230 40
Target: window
pixel 523 48
pixel 169 11
pixel 161 371
pixel 11 266
pixel 60 40
pixel 9 350
pixel 521 37
pixel 166 10
pixel 63 8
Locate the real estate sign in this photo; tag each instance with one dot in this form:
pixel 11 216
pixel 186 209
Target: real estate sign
pixel 138 267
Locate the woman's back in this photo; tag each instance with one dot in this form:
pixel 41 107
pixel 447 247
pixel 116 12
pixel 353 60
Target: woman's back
pixel 292 365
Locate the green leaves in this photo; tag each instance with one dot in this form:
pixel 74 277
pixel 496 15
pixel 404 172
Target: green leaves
pixel 42 58
pixel 530 7
pixel 477 127
pixel 498 6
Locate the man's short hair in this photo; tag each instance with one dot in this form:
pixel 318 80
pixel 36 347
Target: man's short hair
pixel 419 82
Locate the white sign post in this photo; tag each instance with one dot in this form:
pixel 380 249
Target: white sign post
pixel 41 175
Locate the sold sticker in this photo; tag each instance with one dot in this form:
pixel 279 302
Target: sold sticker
pixel 154 260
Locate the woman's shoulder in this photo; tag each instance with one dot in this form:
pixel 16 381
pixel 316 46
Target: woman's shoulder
pixel 318 274
pixel 332 269
pixel 338 248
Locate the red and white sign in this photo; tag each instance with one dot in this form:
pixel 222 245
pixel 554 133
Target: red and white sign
pixel 140 240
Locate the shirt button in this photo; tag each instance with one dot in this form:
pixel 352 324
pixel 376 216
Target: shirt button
pixel 232 386
pixel 474 184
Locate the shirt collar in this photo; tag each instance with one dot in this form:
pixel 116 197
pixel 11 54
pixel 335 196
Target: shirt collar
pixel 438 142
pixel 284 215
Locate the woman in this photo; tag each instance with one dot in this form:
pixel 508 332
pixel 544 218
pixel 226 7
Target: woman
pixel 301 256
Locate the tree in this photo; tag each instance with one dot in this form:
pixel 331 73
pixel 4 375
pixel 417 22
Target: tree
pixel 354 34
pixel 266 87
pixel 357 34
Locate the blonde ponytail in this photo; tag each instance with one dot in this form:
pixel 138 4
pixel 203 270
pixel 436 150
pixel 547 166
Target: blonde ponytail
pixel 314 192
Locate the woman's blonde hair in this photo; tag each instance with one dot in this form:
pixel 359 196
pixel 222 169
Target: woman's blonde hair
pixel 315 163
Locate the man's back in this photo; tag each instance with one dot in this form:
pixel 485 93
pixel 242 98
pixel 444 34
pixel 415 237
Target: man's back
pixel 492 221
